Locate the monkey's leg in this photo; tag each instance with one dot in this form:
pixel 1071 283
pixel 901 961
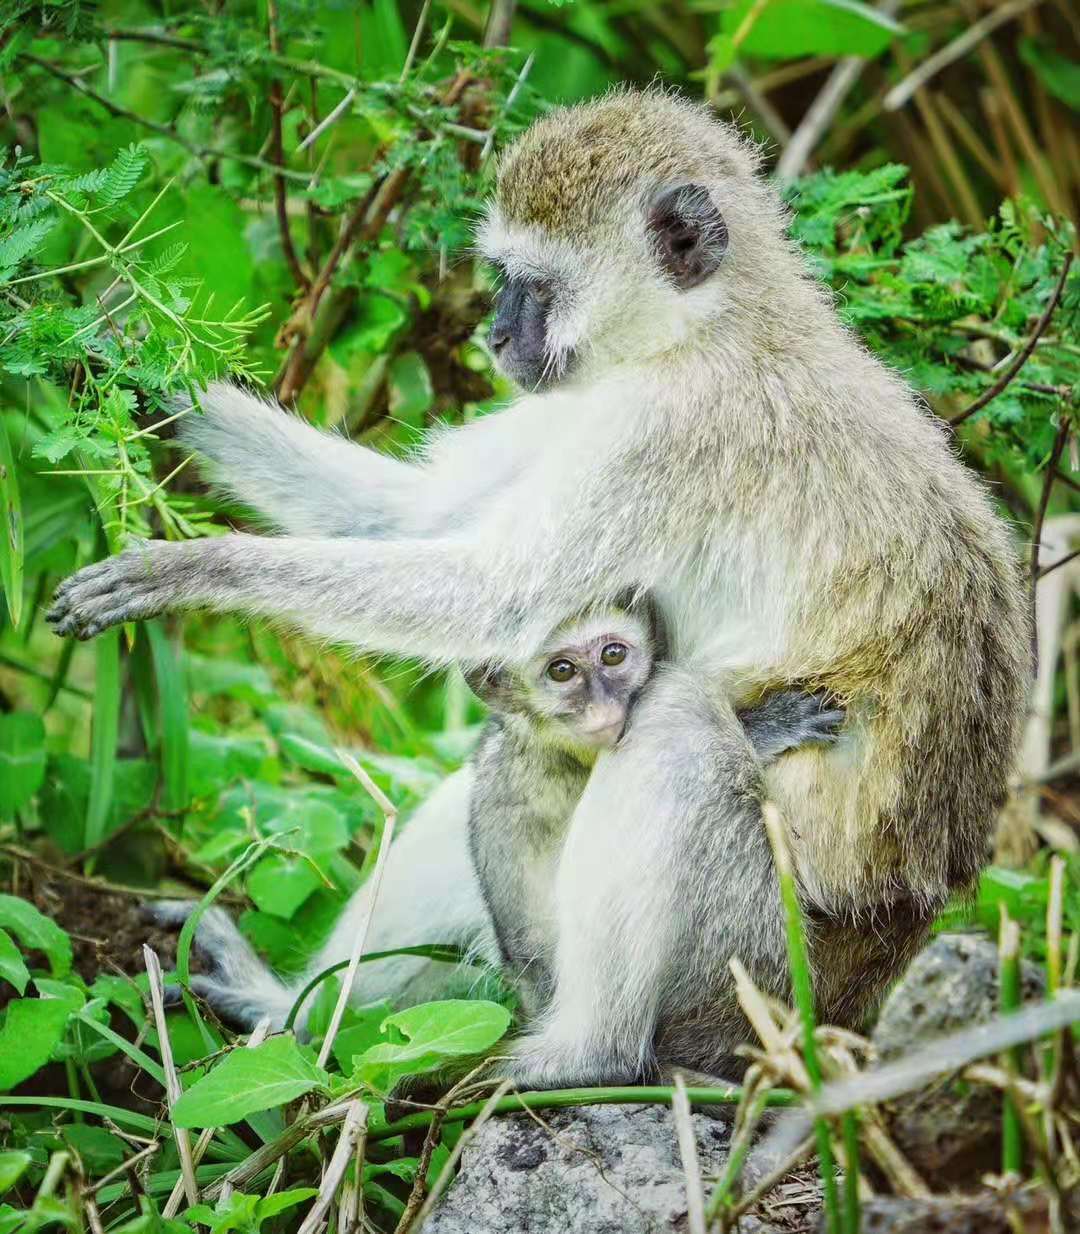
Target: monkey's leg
pixel 666 874
pixel 305 481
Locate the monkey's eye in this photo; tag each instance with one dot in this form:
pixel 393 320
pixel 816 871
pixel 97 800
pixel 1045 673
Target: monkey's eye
pixel 561 670
pixel 543 293
pixel 613 653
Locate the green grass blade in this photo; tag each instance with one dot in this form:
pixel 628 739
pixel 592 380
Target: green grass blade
pixel 803 989
pixel 137 1056
pixel 103 739
pixel 11 529
pixel 1012 1134
pixel 172 697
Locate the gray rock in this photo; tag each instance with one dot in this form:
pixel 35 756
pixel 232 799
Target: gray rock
pixel 988 1213
pixel 950 1130
pixel 593 1169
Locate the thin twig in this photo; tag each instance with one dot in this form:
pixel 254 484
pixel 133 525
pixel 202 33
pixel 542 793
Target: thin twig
pixel 414 46
pixel 330 118
pixel 172 1081
pixel 1025 352
pixel 351 1130
pixel 389 813
pixel 684 1131
pixel 165 130
pixel 277 157
pixel 951 52
pixel 447 1172
pixel 1061 561
pixel 1044 499
pixel 124 1166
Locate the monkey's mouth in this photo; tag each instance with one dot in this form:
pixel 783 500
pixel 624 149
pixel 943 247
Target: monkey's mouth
pixel 606 736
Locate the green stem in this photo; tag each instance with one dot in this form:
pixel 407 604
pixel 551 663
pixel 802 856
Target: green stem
pixel 561 1098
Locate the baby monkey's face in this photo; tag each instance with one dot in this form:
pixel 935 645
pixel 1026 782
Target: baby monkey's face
pixel 587 678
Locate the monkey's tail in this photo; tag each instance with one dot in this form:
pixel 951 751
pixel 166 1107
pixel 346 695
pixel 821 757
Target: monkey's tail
pixel 238 985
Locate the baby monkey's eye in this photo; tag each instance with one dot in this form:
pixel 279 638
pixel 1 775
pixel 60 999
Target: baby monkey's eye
pixel 613 653
pixel 543 293
pixel 561 670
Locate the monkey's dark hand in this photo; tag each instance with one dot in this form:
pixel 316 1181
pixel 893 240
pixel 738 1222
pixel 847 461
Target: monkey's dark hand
pixel 142 581
pixel 792 718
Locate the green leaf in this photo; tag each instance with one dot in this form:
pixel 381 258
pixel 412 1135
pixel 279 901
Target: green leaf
pixel 32 1029
pixel 435 1032
pixel 247 1081
pixel 1059 75
pixel 250 683
pixel 12 1166
pixel 12 966
pixel 785 29
pixel 36 932
pixel 99 1149
pixel 271 1205
pixel 22 760
pixel 11 529
pixel 411 393
pixel 172 697
pixel 279 884
pixel 122 176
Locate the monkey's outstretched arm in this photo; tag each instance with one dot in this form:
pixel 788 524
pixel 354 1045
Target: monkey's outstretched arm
pixel 302 480
pixel 439 599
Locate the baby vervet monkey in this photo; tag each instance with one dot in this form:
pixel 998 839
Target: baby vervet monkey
pixel 551 719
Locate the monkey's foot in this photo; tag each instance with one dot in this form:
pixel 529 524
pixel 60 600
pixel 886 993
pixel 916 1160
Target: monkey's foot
pixel 140 582
pixel 542 1061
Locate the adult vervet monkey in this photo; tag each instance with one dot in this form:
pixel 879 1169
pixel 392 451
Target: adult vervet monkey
pixel 700 425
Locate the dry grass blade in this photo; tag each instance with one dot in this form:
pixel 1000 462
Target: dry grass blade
pixel 172 1080
pixel 353 1127
pixel 684 1131
pixel 956 50
pixel 389 813
pixel 172 1204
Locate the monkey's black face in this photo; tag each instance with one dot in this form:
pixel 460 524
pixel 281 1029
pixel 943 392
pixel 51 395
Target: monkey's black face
pixel 519 334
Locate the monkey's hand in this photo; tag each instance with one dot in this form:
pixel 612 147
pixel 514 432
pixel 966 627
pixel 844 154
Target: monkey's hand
pixel 789 719
pixel 143 581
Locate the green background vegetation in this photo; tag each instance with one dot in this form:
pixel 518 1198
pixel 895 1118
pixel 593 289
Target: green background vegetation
pixel 284 192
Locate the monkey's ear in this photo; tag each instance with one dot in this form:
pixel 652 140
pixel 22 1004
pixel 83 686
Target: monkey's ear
pixel 689 233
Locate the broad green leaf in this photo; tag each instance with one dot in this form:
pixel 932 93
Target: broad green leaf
pixel 12 965
pixel 36 932
pixel 22 760
pixel 411 392
pixel 99 1149
pixel 11 528
pixel 310 755
pixel 31 1030
pixel 271 1205
pixel 310 826
pixel 279 884
pixel 435 1032
pixel 250 683
pixel 12 1166
pixel 245 1081
pixel 785 29
pixel 1059 75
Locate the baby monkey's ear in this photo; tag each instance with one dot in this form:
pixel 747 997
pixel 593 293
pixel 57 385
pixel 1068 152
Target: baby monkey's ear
pixel 492 685
pixel 689 233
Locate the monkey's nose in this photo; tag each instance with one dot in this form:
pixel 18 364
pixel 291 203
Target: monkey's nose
pixel 498 336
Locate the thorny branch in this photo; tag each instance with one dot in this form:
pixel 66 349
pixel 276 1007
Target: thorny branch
pixel 1025 352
